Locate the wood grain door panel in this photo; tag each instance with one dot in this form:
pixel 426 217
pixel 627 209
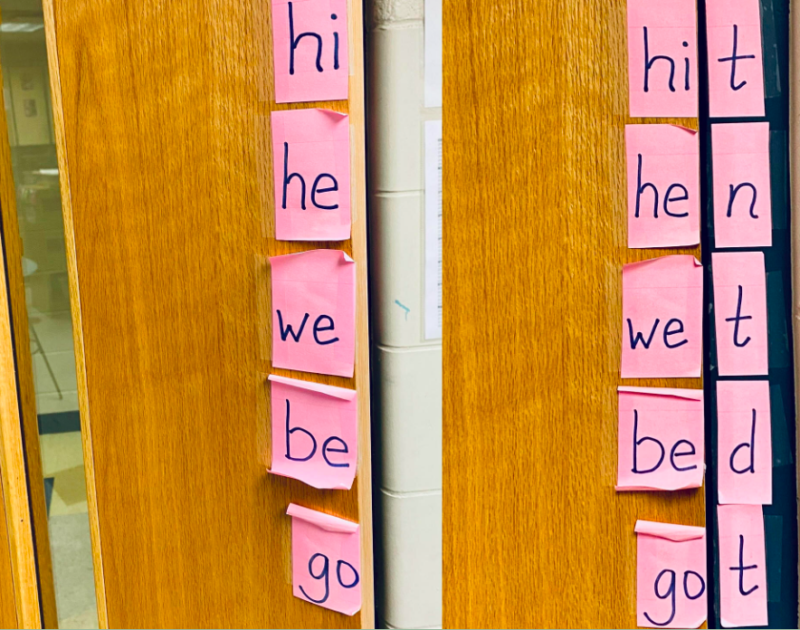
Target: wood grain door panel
pixel 161 114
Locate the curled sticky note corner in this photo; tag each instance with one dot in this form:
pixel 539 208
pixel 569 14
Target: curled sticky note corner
pixel 688 394
pixel 328 522
pixel 328 390
pixel 675 533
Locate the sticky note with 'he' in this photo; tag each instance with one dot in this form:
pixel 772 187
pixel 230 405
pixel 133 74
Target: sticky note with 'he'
pixel 663 163
pixel 311 168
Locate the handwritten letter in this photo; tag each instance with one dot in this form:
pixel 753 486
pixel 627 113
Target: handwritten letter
pixel 742 199
pixel 744 443
pixel 735 66
pixel 742 566
pixel 740 313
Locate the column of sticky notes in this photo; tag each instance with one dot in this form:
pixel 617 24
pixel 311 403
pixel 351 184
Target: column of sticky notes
pixel 661 431
pixel 313 295
pixel 741 199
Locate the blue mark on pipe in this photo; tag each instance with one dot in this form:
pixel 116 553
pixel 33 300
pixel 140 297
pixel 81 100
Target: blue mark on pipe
pixel 404 307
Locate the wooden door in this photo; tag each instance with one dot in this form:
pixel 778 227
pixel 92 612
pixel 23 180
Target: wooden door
pixel 8 608
pixel 535 104
pixel 161 113
pixel 27 589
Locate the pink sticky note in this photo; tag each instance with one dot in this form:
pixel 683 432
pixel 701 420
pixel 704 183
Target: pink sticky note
pixel 310 44
pixel 744 443
pixel 662 58
pixel 662 313
pixel 663 164
pixel 670 575
pixel 660 438
pixel 735 66
pixel 740 313
pixel 742 199
pixel 742 566
pixel 326 560
pixel 311 163
pixel 314 433
pixel 313 312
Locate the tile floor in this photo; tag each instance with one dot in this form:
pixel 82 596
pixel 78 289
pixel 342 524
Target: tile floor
pixel 62 460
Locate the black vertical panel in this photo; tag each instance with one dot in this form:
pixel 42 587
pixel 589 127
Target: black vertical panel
pixel 780 518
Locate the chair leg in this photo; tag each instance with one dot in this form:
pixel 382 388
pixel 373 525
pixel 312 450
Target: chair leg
pixel 40 349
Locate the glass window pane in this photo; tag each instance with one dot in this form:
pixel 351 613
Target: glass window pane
pixel 26 92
